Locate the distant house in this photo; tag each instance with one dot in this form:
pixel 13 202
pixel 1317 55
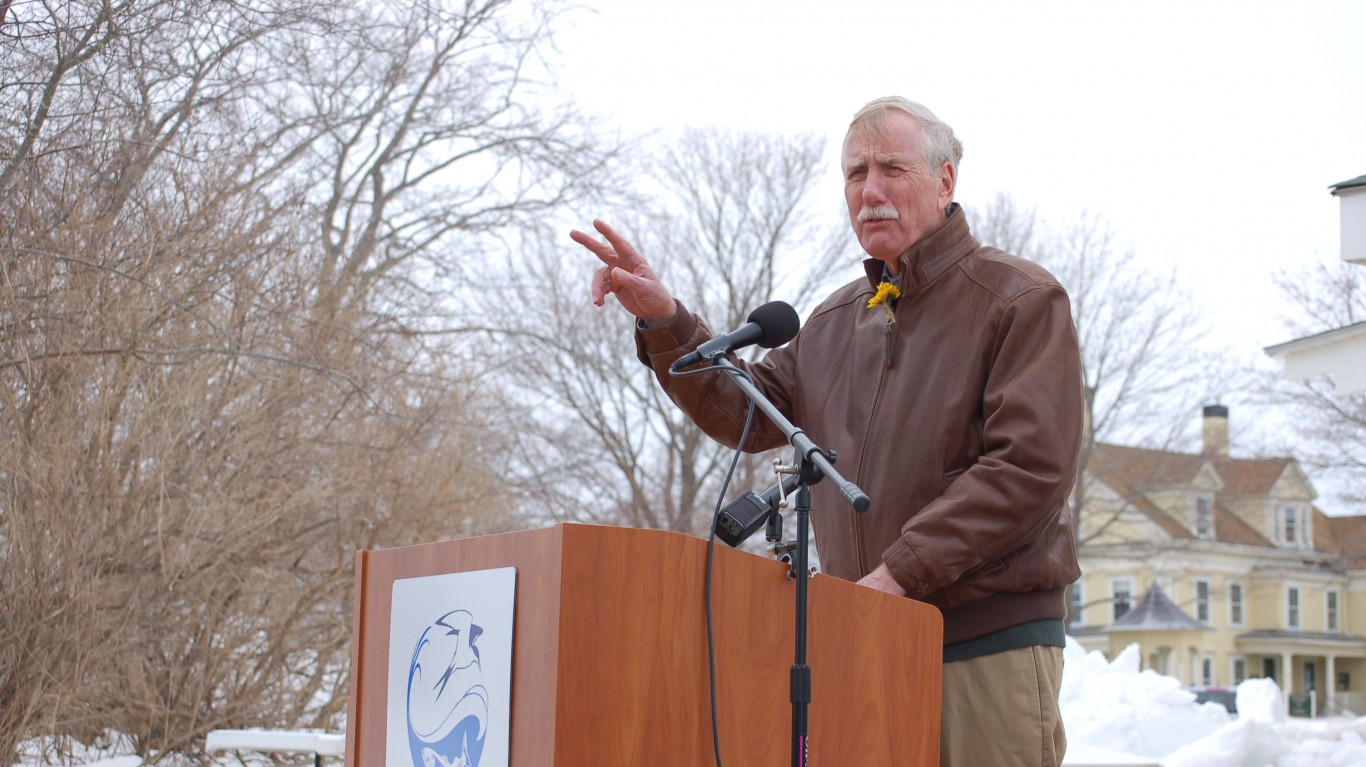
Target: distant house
pixel 1340 352
pixel 1221 569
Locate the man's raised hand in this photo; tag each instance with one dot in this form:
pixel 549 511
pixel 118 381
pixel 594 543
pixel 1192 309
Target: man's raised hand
pixel 625 274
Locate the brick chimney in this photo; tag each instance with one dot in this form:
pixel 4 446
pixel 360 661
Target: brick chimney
pixel 1215 431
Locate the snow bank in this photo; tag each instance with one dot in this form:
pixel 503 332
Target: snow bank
pixel 1111 704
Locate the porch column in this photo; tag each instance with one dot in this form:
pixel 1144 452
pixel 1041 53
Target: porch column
pixel 1288 684
pixel 1331 685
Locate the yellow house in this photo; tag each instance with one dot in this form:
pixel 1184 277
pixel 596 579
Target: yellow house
pixel 1221 569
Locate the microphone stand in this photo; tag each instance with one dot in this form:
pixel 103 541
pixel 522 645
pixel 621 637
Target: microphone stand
pixel 813 463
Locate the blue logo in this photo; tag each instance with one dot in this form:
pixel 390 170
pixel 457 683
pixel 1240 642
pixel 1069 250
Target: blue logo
pixel 448 705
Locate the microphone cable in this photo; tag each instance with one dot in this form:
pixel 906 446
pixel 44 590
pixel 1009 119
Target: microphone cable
pixel 711 547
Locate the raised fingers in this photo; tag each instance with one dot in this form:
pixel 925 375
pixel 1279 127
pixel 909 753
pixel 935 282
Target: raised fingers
pixel 628 257
pixel 624 273
pixel 599 248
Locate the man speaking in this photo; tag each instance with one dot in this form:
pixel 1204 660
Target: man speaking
pixel 947 378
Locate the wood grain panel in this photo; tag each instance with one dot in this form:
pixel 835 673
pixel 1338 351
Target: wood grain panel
pixel 536 555
pixel 610 654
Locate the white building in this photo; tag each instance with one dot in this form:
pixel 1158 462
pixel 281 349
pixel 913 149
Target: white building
pixel 1340 352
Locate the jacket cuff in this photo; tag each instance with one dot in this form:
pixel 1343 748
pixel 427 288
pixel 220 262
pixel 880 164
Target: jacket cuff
pixel 907 569
pixel 667 342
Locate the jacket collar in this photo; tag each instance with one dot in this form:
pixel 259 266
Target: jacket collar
pixel 932 255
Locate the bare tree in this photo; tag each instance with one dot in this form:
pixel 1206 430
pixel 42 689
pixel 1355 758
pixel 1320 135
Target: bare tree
pixel 223 233
pixel 731 227
pixel 1330 425
pixel 1145 363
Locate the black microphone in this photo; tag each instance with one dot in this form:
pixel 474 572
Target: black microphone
pixel 773 324
pixel 746 514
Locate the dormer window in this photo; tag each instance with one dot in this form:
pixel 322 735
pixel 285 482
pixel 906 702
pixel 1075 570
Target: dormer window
pixel 1292 526
pixel 1204 518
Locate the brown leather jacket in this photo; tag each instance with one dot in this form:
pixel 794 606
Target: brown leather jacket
pixel 960 417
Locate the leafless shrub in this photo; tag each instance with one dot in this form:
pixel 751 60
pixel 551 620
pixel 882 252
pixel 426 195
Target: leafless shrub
pixel 224 231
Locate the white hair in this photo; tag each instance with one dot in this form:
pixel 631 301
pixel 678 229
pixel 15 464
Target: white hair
pixel 938 144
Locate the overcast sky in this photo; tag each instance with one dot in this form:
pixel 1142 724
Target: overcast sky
pixel 1206 133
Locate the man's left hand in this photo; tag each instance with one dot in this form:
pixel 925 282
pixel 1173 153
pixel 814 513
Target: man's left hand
pixel 882 580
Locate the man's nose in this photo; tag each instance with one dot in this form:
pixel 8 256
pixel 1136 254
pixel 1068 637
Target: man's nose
pixel 874 189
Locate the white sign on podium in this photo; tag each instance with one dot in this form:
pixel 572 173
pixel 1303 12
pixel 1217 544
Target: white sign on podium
pixel 450 670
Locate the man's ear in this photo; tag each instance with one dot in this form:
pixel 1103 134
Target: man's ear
pixel 948 182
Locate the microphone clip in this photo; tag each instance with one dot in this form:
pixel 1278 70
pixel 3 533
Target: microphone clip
pixel 743 516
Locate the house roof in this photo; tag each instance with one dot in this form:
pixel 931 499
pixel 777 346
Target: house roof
pixel 1133 472
pixel 1155 612
pixel 1336 352
pixel 1345 535
pixel 1230 528
pixel 1250 476
pixel 1318 340
pixel 1348 184
pixel 1137 468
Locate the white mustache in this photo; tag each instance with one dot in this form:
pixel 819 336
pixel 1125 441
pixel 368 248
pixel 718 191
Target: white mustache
pixel 877 211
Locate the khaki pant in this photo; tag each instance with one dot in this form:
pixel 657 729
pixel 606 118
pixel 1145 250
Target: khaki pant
pixel 1002 710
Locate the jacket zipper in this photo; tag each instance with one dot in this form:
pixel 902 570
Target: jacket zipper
pixel 888 332
pixel 889 328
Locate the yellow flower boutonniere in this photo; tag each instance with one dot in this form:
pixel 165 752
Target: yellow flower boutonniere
pixel 885 290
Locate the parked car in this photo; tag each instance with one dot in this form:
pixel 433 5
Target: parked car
pixel 1224 696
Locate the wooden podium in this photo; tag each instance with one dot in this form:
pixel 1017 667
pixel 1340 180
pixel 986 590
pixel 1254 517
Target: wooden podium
pixel 610 654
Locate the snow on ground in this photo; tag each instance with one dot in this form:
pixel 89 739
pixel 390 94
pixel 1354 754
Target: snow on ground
pixel 1116 706
pixel 1113 705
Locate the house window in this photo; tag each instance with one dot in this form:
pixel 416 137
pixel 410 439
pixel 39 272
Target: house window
pixel 1122 593
pixel 1290 530
pixel 1202 601
pixel 1235 604
pixel 1239 670
pixel 1331 610
pixel 1207 670
pixel 1292 604
pixel 1204 518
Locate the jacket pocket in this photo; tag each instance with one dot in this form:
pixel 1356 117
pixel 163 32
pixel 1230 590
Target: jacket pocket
pixel 995 576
